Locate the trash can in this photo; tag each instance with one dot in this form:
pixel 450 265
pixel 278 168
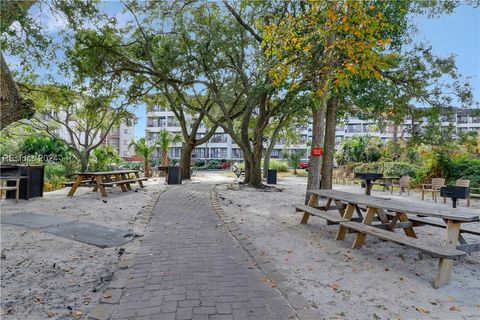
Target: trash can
pixel 174 175
pixel 272 176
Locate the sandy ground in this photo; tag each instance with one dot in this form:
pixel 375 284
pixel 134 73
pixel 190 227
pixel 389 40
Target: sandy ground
pixel 381 280
pixel 45 276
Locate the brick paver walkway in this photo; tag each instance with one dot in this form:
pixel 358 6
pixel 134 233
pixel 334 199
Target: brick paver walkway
pixel 189 267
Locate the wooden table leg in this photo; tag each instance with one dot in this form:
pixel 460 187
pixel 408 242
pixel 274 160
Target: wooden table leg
pixel 408 231
pixel 445 265
pixel 75 185
pixel 139 182
pixel 366 220
pixel 100 186
pixel 127 185
pixel 348 214
pixel 312 203
pixel 121 185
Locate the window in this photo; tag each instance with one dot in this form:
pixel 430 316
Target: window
pixel 125 142
pixel 198 153
pixel 219 138
pixel 174 152
pixel 126 131
pixel 303 138
pixel 353 128
pixel 462 119
pixel 276 153
pixel 218 153
pixel 172 122
pixel 237 153
pixel 476 119
pixel 126 153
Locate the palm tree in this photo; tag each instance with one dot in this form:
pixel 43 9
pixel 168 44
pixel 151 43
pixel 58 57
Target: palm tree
pixel 141 148
pixel 164 141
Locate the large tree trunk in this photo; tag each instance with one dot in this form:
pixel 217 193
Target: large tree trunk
pixel 247 168
pixel 318 116
pixel 12 106
pixel 186 160
pixel 255 180
pixel 329 145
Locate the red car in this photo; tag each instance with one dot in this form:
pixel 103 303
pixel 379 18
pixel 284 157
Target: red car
pixel 303 165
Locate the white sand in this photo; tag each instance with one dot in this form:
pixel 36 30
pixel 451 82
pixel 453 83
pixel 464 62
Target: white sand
pixel 46 276
pixel 381 280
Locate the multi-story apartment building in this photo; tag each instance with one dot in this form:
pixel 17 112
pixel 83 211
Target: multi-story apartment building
pixel 120 137
pixel 221 145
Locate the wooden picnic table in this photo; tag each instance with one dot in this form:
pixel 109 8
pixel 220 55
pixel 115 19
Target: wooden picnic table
pixel 395 214
pixel 121 178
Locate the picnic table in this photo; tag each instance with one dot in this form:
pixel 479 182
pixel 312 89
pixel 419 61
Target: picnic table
pixel 384 215
pixel 121 178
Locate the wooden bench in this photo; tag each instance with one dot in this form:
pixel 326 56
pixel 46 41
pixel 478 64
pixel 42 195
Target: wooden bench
pixel 127 181
pixel 419 221
pixel 70 183
pixel 333 218
pixel 435 251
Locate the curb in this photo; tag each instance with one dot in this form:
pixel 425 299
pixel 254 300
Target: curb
pixel 296 301
pixel 107 306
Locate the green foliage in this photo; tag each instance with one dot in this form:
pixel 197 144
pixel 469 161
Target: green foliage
pixel 142 148
pixel 280 166
pixel 104 158
pixel 166 139
pixel 359 149
pixel 55 176
pixel 468 169
pixel 44 146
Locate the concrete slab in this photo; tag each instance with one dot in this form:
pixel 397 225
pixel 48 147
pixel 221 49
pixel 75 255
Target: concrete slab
pixel 33 220
pixel 85 232
pixel 90 233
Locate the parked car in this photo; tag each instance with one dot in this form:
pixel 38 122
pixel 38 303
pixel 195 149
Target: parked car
pixel 303 165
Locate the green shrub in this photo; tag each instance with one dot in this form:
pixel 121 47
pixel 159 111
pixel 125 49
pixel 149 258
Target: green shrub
pixel 53 169
pixel 280 166
pixel 394 169
pixel 54 183
pixel 468 169
pixel 397 169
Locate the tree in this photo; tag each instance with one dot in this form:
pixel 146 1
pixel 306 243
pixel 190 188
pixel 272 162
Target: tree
pixel 81 119
pixel 293 159
pixel 142 148
pixel 28 39
pixel 164 141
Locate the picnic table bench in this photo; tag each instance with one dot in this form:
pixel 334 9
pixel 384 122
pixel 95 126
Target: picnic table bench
pixel 382 216
pixel 100 180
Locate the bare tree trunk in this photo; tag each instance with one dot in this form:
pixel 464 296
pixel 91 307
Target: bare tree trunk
pixel 329 145
pixel 12 106
pixel 83 157
pixel 186 160
pixel 318 117
pixel 247 168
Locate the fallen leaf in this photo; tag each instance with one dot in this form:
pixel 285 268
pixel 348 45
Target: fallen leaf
pixel 386 269
pixel 453 308
pixel 78 314
pixel 450 298
pixel 422 310
pixel 334 286
pixel 309 268
pixel 433 302
pixel 107 295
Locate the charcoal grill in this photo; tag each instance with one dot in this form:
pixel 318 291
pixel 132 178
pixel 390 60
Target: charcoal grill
pixel 368 177
pixel 455 193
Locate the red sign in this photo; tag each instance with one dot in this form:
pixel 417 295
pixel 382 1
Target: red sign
pixel 317 152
